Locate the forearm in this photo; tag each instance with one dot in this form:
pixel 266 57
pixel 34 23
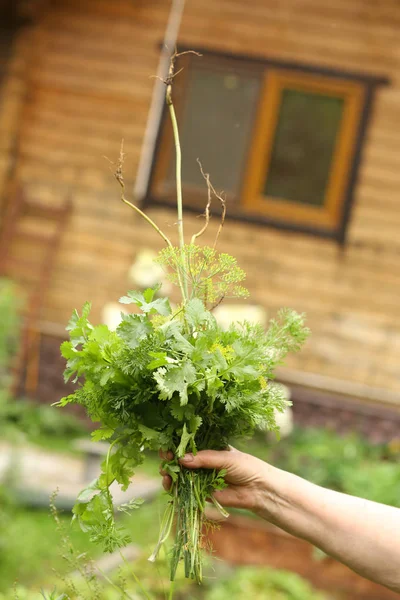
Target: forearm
pixel 363 535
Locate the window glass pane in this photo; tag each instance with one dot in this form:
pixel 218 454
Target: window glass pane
pixel 303 147
pixel 216 125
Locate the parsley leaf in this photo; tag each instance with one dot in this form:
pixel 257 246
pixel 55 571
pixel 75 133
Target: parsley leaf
pixel 146 303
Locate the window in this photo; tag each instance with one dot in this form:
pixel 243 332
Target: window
pixel 282 141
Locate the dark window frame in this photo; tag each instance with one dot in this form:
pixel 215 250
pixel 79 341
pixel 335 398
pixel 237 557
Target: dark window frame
pixel 361 88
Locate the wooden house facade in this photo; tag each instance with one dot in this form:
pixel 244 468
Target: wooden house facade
pixel 80 77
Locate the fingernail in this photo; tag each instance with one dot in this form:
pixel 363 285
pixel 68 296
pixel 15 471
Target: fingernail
pixel 187 458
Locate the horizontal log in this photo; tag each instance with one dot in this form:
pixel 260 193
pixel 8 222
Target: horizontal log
pixel 296 46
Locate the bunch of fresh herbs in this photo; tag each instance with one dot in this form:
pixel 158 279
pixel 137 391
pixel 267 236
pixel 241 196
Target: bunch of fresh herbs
pixel 174 379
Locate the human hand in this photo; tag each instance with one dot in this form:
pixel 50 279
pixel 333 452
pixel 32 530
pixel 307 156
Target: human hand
pixel 246 476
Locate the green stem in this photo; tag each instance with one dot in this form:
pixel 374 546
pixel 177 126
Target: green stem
pixel 171 590
pixel 166 526
pixel 178 153
pixel 149 221
pixel 219 507
pixel 179 200
pixel 190 492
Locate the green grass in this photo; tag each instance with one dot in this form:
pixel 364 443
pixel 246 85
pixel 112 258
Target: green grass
pixel 29 551
pixel 30 543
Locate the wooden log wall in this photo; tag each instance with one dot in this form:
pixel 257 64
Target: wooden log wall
pixel 13 79
pixel 89 85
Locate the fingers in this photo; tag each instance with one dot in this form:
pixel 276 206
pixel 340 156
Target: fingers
pixel 165 455
pixel 211 459
pixel 166 482
pixel 166 479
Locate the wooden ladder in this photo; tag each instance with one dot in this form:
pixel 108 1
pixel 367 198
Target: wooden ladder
pixel 23 224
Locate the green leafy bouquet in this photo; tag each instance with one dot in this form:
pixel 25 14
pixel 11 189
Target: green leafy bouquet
pixel 175 380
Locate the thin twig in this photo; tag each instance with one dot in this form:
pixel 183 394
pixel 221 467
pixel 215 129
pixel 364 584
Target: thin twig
pixel 223 215
pixel 217 303
pixel 207 209
pixel 171 72
pixel 223 203
pixel 118 174
pixel 177 54
pixel 211 190
pixel 169 77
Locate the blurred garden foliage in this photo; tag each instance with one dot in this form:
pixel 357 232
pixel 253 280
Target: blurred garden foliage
pixel 28 539
pixel 21 418
pixel 348 464
pixel 256 583
pixel 9 327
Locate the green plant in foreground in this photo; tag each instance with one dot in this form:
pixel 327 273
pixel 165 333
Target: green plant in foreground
pixel 258 584
pixel 174 379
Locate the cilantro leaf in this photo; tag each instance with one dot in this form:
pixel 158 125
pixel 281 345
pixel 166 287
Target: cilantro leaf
pixel 133 329
pixel 146 303
pixel 148 434
pixel 104 433
pixel 180 412
pixel 175 379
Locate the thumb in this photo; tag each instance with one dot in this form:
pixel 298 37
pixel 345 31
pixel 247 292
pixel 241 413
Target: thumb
pixel 210 459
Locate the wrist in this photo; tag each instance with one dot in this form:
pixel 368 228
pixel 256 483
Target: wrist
pixel 284 500
pixel 271 499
